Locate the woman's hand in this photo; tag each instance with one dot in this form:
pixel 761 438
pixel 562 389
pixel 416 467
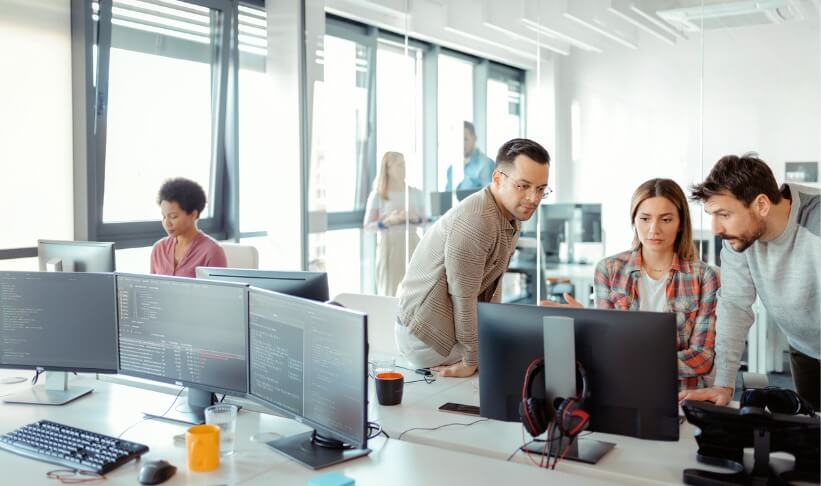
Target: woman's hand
pixel 394 217
pixel 571 302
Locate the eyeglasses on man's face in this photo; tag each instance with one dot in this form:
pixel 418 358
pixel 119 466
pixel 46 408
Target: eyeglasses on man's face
pixel 525 188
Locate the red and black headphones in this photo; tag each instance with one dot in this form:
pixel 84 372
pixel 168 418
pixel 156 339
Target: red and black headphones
pixel 571 418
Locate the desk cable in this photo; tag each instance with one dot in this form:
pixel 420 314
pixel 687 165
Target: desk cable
pixel 375 430
pixel 37 374
pixel 148 418
pixel 442 426
pixel 427 378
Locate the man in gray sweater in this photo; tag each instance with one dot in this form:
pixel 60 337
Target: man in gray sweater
pixel 461 260
pixel 772 250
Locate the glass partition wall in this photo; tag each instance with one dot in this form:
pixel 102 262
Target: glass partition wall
pixel 618 92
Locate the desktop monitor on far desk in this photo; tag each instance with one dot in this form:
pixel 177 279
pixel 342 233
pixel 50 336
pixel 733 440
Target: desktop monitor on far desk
pixel 441 202
pixel 308 361
pixel 75 256
pixel 57 322
pixel 186 332
pixel 630 360
pixel 308 285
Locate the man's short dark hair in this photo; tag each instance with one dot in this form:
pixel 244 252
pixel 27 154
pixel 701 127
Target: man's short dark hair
pixel 744 177
pixel 521 146
pixel 185 192
pixel 469 127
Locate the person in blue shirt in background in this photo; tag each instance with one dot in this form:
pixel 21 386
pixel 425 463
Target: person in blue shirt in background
pixel 478 167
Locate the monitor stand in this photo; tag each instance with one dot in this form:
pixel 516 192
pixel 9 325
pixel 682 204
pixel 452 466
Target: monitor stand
pixel 314 451
pixel 588 451
pixel 55 392
pixel 194 411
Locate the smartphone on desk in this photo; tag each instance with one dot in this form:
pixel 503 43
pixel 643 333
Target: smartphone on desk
pixel 460 408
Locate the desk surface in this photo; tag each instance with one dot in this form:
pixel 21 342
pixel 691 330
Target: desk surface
pixel 632 461
pixel 453 454
pixel 113 408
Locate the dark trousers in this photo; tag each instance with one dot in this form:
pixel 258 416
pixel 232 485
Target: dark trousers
pixel 805 375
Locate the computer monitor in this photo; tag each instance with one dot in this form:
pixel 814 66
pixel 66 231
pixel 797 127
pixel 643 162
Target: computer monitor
pixel 441 202
pixel 309 361
pixel 75 256
pixel 308 285
pixel 630 359
pixel 184 331
pixel 57 322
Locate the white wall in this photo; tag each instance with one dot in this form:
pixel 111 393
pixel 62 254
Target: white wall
pixel 762 90
pixel 641 116
pixel 36 185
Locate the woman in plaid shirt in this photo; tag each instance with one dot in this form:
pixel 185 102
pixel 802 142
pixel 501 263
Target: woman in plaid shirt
pixel 661 273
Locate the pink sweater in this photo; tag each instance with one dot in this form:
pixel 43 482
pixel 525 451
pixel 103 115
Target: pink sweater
pixel 203 252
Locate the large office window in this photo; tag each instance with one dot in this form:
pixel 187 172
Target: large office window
pixel 504 107
pixel 258 116
pixel 399 105
pixel 160 104
pixel 341 165
pixel 455 106
pixel 35 129
pixel 152 79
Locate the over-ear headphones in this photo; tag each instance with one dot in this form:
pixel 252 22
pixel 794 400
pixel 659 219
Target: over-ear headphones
pixel 570 417
pixel 532 410
pixel 777 400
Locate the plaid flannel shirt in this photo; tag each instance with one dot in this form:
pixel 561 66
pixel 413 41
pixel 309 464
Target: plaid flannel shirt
pixel 691 293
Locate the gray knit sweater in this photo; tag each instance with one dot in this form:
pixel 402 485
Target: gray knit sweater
pixel 784 273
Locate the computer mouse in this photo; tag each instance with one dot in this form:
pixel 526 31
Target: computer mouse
pixel 156 472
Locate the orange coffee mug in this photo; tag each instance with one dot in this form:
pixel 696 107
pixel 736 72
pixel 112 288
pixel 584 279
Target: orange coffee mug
pixel 203 445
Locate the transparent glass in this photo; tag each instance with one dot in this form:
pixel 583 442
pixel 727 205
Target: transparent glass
pixel 36 183
pixel 504 112
pixel 623 116
pixel 339 253
pixel 455 107
pixel 258 118
pixel 224 416
pixel 159 116
pixel 399 106
pixel 762 94
pixel 342 162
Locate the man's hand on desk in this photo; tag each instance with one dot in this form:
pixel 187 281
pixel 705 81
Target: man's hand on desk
pixel 717 394
pixel 571 302
pixel 458 370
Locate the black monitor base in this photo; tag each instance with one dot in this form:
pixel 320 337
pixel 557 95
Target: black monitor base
pixel 192 413
pixel 306 451
pixel 589 451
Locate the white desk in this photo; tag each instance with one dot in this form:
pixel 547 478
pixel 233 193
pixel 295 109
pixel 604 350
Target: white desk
pixel 111 408
pixel 632 461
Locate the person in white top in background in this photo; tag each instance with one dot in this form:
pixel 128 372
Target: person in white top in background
pixel 385 213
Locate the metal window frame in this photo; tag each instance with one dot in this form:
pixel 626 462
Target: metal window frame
pixel 90 127
pixel 503 72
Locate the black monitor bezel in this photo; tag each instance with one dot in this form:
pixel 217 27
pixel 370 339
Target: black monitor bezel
pixel 186 383
pixel 74 368
pixel 357 442
pixel 656 326
pixel 312 279
pixel 41 263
